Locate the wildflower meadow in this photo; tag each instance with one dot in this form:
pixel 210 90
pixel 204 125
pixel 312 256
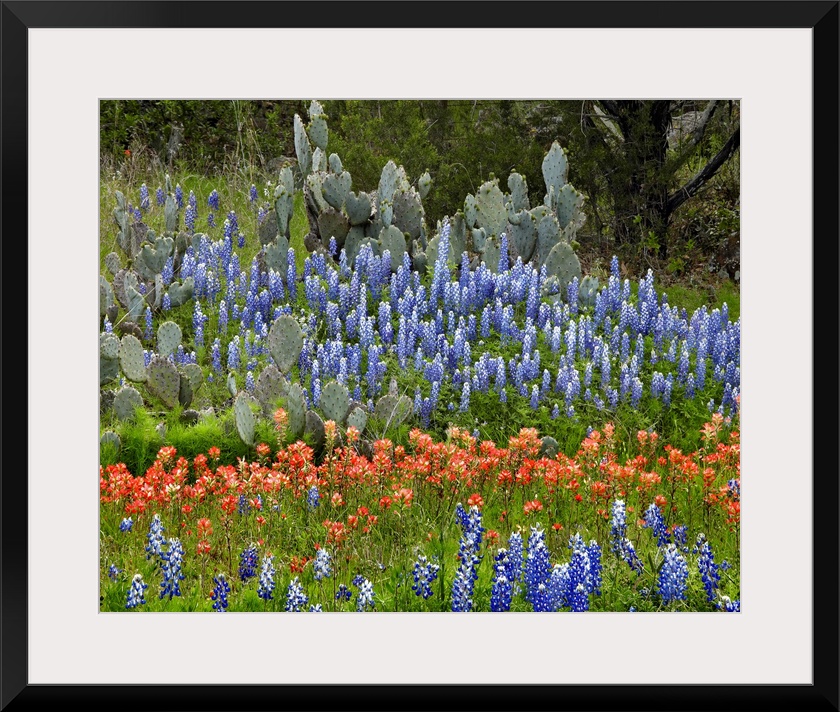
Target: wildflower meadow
pixel 320 400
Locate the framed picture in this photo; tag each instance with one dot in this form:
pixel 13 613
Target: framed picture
pixel 777 61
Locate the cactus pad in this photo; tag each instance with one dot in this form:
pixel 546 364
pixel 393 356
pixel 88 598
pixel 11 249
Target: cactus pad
pixel 109 437
pixel 168 338
pixel 393 410
pixel 491 213
pixel 518 187
pixel 408 212
pixel 112 262
pixel 126 402
pixel 563 263
pixel 424 182
pixel 244 418
pixel 163 380
pixel 549 447
pixel 335 187
pixel 285 342
pixel 314 429
pixel 181 293
pixel 357 207
pixel 393 240
pixel 192 372
pixel 555 168
pixel 569 207
pixel 335 399
pixel 296 410
pixel 522 238
pixel 302 147
pixel 317 129
pixel 332 223
pixel 270 387
pixel 131 359
pixel 470 210
pixel 357 418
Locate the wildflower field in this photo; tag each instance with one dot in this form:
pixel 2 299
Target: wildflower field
pixel 318 400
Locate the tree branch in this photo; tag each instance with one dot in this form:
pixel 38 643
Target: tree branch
pixel 689 189
pixel 700 128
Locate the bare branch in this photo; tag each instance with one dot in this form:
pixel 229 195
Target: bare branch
pixel 700 127
pixel 689 189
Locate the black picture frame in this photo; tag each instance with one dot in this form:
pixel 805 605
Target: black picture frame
pixel 820 16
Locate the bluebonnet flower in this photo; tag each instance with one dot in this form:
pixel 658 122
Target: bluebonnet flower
pixel 172 573
pixel 465 398
pixel 313 498
pixel 221 589
pixel 535 396
pixel 144 197
pixel 673 576
pixel 135 592
pixel 424 573
pixel 179 196
pixel 322 565
pixel 708 571
pixel 248 563
pixel 190 215
pixel 618 525
pixel 728 605
pixel 316 608
pixel 252 194
pixel 126 524
pixel 501 591
pixel 680 534
pixel 266 587
pixel 343 593
pixel 537 570
pixel 166 303
pixel 243 507
pixel 296 599
pixel 113 572
pixel 469 558
pixel 365 597
pixel 160 196
pixel 213 200
pixel 155 538
pixel 655 522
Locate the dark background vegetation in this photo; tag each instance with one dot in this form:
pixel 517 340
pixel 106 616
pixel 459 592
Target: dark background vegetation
pixel 661 177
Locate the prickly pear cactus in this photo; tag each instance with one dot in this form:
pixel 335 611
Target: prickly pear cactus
pixel 555 169
pixel 126 402
pixel 587 291
pixel 357 418
pixel 112 262
pixel 185 391
pixel 317 128
pixel 163 380
pixel 408 212
pixel 109 361
pixel 569 207
pixel 131 359
pixel 393 240
pixel 335 187
pixel 314 429
pixel 303 149
pixel 357 207
pixel 393 410
pixel 192 373
pixel 168 338
pixel 491 254
pixel 335 399
pixel 109 437
pixel 152 257
pixel 522 237
pixel 335 163
pixel 491 213
pixel 518 187
pixel 270 387
pixel 332 223
pixel 276 255
pixel 424 182
pixel 285 342
pixel 470 211
pixel 563 263
pixel 244 417
pixel 296 410
pixel 181 293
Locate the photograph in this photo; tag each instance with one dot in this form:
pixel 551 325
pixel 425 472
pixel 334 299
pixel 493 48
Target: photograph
pixel 409 321
pixel 456 355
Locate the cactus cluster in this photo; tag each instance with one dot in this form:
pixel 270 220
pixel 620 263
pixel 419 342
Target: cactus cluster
pixel 390 218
